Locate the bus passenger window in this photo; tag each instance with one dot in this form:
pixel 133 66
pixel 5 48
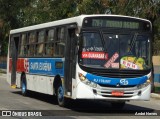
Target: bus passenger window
pixel 22 50
pixel 32 45
pixel 31 50
pixel 61 35
pixel 49 49
pixel 49 46
pixel 41 39
pixel 50 35
pixel 25 50
pixel 41 36
pixel 32 37
pixel 60 43
pixel 40 49
pixel 59 52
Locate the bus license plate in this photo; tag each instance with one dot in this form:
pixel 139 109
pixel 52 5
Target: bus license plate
pixel 117 93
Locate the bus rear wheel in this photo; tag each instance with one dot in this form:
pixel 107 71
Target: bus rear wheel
pixel 23 86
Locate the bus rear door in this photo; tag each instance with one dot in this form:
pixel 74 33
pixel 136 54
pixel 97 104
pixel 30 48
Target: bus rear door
pixel 14 56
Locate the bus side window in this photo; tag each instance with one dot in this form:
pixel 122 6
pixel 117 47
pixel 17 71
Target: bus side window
pixel 61 34
pixel 32 45
pixel 41 40
pixel 31 50
pixel 50 35
pixel 49 47
pixel 60 42
pixel 32 37
pixel 23 47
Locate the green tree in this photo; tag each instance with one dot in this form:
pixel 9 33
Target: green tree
pixel 36 12
pixel 61 9
pixel 40 11
pixel 10 17
pixel 20 13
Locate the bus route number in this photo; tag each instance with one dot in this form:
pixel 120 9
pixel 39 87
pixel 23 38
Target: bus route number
pixel 98 23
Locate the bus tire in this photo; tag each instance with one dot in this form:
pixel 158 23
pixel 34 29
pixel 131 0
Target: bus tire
pixel 60 96
pixel 118 105
pixel 23 85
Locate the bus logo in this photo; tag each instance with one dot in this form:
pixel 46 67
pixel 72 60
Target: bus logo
pixel 124 81
pixel 26 65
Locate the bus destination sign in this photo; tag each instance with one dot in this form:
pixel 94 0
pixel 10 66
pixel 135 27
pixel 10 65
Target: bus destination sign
pixel 115 24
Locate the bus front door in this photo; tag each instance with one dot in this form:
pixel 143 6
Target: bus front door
pixel 70 64
pixel 14 55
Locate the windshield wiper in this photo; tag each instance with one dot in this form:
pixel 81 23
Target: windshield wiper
pixel 133 42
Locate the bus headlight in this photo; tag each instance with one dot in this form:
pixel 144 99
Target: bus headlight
pixel 86 81
pixel 82 77
pixel 145 84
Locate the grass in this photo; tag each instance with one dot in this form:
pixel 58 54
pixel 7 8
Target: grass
pixel 2 71
pixel 157 89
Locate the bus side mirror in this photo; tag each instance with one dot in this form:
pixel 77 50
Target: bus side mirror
pixel 77 39
pixel 77 43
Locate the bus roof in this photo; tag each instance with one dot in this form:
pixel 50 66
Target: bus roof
pixel 77 19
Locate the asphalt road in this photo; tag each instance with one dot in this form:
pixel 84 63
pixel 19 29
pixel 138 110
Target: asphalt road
pixel 35 103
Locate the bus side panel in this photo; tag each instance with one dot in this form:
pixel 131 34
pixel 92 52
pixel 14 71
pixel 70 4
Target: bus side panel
pixel 19 69
pixel 18 80
pixel 41 84
pixel 21 65
pixel 40 73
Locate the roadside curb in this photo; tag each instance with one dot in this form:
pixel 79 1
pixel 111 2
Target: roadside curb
pixel 154 95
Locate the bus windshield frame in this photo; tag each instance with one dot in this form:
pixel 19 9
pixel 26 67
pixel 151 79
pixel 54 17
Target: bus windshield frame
pixel 99 53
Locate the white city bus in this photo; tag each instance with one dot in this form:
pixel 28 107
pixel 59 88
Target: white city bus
pixel 101 57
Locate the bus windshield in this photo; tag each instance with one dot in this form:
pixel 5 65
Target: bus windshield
pixel 115 51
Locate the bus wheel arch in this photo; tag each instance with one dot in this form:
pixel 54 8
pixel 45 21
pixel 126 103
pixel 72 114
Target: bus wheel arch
pixel 23 84
pixel 57 81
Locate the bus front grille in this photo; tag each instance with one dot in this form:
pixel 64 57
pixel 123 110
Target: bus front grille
pixel 107 91
pixel 114 86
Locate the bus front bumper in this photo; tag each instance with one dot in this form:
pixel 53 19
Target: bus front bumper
pixel 105 93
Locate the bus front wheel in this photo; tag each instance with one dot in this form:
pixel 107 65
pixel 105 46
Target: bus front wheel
pixel 24 86
pixel 60 96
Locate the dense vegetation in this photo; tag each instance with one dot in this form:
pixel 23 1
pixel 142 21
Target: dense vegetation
pixel 20 13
